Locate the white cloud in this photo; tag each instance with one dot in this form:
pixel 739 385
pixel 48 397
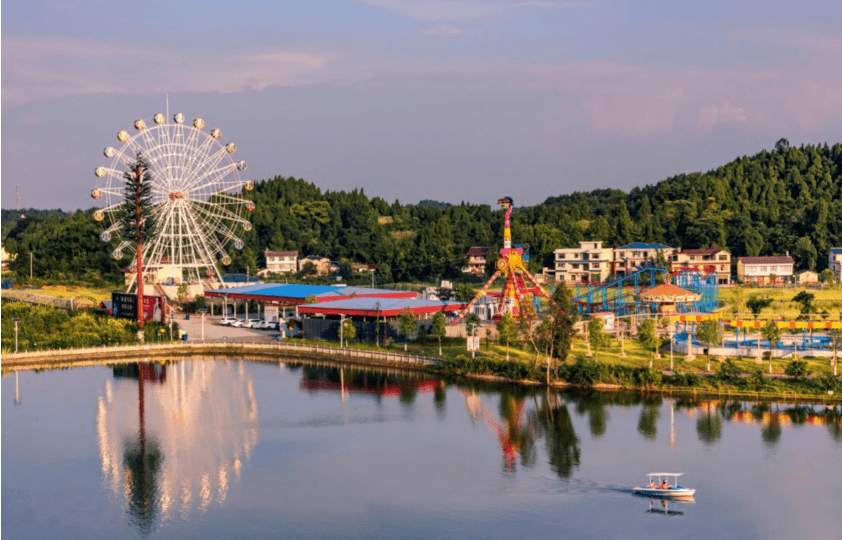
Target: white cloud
pixel 37 69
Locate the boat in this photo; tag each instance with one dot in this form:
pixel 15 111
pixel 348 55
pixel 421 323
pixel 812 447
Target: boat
pixel 661 487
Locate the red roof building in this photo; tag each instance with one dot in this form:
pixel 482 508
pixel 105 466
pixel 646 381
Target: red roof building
pixel 476 260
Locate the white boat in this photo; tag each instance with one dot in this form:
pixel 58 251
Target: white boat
pixel 664 486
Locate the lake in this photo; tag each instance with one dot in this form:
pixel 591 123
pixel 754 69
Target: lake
pixel 238 449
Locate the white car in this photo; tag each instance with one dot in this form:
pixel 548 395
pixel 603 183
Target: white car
pixel 239 323
pixel 227 321
pixel 252 323
pixel 262 325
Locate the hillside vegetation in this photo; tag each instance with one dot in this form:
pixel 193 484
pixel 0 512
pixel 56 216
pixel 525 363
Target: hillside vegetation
pixel 786 199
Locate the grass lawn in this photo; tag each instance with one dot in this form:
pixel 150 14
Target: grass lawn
pixel 828 299
pixel 72 291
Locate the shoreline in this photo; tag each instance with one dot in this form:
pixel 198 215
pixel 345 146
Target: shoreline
pixel 92 356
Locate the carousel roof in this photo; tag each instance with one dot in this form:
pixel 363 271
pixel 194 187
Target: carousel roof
pixel 669 293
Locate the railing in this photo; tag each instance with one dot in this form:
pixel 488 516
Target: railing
pixel 121 351
pixel 38 299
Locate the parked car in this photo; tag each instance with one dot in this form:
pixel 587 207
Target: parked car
pixel 252 323
pixel 227 321
pixel 262 325
pixel 239 323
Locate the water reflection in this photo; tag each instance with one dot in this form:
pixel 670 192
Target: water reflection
pixel 375 383
pixel 664 507
pixel 171 436
pixel 554 423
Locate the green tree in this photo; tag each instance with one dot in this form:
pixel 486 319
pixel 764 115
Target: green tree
pixel 439 328
pixel 756 304
pixel 738 300
pixel 826 276
pixel 464 292
pixel 797 369
pixel 596 333
pixel 805 253
pixel 772 334
pixel 709 332
pixel 472 323
pixel 135 218
pixel 647 335
pixel 349 331
pixel 407 324
pixel 806 300
pixel 507 330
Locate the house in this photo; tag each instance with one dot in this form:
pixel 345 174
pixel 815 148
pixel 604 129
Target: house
pixel 765 270
pixel 637 255
pixel 834 262
pixel 706 261
pixel 321 264
pixel 363 268
pixel 6 257
pixel 476 260
pixel 806 277
pixel 589 263
pixel 280 262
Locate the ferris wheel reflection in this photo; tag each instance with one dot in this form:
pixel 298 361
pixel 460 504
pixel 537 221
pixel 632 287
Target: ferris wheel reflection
pixel 172 437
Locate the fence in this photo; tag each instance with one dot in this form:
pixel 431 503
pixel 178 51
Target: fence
pixel 108 354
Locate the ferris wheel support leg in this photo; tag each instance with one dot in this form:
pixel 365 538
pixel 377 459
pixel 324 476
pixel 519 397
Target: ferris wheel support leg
pixel 535 282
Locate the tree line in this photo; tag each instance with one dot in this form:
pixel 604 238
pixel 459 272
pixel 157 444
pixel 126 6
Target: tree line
pixel 784 199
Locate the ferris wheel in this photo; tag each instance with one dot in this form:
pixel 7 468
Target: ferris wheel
pixel 196 196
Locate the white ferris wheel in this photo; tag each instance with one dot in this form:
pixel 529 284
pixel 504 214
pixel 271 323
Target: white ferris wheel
pixel 196 188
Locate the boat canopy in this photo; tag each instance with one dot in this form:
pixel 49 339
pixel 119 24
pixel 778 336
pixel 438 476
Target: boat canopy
pixel 665 474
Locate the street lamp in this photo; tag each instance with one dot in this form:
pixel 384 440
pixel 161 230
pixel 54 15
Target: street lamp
pixel 16 334
pixel 202 312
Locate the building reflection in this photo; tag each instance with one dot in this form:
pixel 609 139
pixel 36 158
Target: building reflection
pixel 376 383
pixel 173 436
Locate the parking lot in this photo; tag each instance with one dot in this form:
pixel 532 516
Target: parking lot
pixel 216 332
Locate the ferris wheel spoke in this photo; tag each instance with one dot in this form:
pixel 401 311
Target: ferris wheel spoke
pixel 218 213
pixel 210 167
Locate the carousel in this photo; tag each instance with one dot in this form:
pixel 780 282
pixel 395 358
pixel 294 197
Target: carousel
pixel 668 297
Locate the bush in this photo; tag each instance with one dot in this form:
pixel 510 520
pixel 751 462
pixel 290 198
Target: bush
pixel 756 381
pixel 583 372
pixel 683 379
pixel 729 371
pixel 797 369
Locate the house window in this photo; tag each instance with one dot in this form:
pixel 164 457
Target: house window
pixel 764 269
pixel 723 257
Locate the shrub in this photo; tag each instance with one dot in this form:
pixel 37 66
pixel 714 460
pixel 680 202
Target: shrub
pixel 797 369
pixel 756 381
pixel 729 371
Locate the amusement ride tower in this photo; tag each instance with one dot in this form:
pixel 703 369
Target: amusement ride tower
pixel 516 293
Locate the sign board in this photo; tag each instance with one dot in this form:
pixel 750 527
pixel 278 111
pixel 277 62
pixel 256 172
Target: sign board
pixel 124 306
pixel 473 343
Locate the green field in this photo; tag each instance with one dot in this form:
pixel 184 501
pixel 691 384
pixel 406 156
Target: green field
pixel 827 299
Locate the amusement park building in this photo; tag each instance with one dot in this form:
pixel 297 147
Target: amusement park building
pixel 637 254
pixel 476 260
pixel 765 270
pixel 834 262
pixel 590 262
pixel 281 262
pixel 706 261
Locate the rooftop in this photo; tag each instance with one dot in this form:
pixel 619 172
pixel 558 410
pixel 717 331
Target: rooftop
pixel 644 245
pixel 786 259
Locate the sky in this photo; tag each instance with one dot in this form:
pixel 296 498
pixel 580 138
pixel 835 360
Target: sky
pixel 467 100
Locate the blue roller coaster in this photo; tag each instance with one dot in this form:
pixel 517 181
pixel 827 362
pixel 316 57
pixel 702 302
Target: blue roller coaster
pixel 621 295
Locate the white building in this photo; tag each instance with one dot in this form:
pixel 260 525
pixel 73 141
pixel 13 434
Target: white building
pixel 281 262
pixel 765 270
pixel 834 262
pixel 590 262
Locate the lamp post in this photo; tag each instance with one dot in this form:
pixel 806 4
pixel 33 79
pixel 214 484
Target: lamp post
pixel 16 336
pixel 203 324
pixel 672 338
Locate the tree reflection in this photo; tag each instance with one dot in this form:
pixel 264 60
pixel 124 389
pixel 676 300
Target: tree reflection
pixel 142 456
pixel 593 404
pixel 649 414
pixel 439 398
pixel 709 425
pixel 516 437
pixel 553 421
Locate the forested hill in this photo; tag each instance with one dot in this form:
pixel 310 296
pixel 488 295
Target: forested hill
pixel 787 199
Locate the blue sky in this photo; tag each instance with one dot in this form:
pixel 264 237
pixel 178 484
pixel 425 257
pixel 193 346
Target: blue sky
pixel 467 100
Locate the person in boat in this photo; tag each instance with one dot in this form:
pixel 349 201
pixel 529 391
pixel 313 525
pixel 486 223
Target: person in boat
pixel 652 483
pixel 664 484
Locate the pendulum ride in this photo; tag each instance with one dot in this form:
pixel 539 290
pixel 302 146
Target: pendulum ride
pixel 516 294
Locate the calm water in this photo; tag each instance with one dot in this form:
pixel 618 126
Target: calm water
pixel 229 449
